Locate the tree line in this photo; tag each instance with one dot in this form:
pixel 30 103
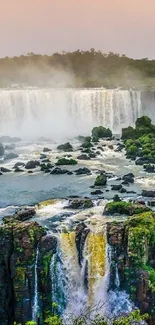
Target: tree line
pixel 78 69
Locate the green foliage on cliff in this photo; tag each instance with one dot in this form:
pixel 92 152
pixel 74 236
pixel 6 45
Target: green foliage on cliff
pixel 85 319
pixel 80 68
pixel 140 142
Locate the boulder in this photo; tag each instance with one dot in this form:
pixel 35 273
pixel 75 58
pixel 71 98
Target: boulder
pixel 96 192
pixel 149 168
pixel 65 147
pixel 32 164
pixel 101 180
pixel 46 150
pixel 22 215
pixel 59 171
pixel 64 161
pixel 101 132
pixel 116 187
pixel 83 157
pixel 129 178
pixel 43 156
pixel 19 164
pixel 80 203
pixel 5 170
pixel 18 170
pixel 82 171
pixel 148 193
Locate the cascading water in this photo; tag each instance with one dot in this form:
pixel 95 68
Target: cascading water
pixel 76 288
pixel 69 112
pixel 35 307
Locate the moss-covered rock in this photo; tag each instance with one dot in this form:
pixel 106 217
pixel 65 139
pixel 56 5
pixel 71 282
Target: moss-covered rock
pixel 101 180
pixel 101 132
pixel 133 246
pixel 47 248
pixel 80 203
pixel 127 208
pixel 65 161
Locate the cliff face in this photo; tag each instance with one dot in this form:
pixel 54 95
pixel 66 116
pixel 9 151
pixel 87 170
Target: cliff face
pixel 133 251
pixel 18 246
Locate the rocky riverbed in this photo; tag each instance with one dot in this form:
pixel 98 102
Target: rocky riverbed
pixel 77 228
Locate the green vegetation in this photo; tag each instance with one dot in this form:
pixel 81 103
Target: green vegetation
pixel 101 132
pixel 82 68
pixel 127 208
pixel 140 142
pixel 85 319
pixel 64 161
pixel 101 180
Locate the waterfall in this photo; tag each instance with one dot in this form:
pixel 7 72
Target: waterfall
pixel 35 308
pixel 70 112
pixel 117 280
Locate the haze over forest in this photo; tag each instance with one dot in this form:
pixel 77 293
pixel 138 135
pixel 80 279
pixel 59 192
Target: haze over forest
pixel 78 69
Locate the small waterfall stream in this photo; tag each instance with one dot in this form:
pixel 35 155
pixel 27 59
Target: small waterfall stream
pixel 35 308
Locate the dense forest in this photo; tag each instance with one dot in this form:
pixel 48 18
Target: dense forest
pixel 78 69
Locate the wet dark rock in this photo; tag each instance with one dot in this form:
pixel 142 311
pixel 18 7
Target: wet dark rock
pixel 59 171
pixel 32 164
pixel 18 170
pixel 101 180
pixel 30 172
pixel 81 233
pixel 46 150
pixel 10 146
pixel 19 164
pixel 45 161
pixel 22 215
pixel 5 170
pixel 83 157
pixel 65 147
pixel 70 173
pixel 111 146
pixel 82 171
pixel 98 152
pixel 143 161
pixel 80 203
pixel 92 186
pixel 92 155
pixel 149 168
pixel 96 192
pixel 148 193
pixel 65 161
pixel 129 178
pixel 122 190
pixel 10 155
pixel 43 156
pixel 151 203
pixel 116 187
pixel 100 148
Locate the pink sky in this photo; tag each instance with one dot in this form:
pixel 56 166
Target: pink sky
pixel 47 26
